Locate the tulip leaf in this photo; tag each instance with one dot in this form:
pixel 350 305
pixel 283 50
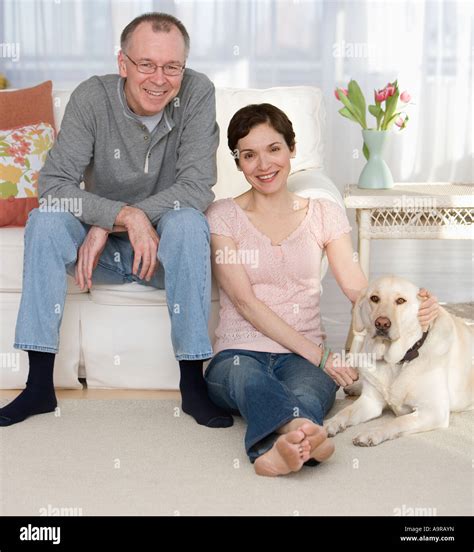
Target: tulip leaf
pixel 377 112
pixel 391 106
pixel 346 113
pixel 358 100
pixel 347 103
pixel 392 120
pixel 365 149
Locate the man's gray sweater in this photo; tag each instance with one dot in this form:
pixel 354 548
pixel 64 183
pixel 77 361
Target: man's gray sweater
pixel 121 163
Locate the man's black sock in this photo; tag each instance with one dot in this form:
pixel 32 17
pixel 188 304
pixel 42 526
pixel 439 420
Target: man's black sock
pixel 38 397
pixel 195 399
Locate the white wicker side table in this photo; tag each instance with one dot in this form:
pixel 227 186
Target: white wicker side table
pixel 435 210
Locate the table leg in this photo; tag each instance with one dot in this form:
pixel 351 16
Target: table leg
pixel 364 242
pixel 363 219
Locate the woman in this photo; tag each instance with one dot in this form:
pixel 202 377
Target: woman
pixel 271 364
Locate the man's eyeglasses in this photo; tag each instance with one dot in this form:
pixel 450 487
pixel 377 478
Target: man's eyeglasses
pixel 147 67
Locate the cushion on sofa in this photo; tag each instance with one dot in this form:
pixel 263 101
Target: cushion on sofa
pixel 27 106
pixel 23 152
pixel 130 346
pixel 11 262
pixel 135 294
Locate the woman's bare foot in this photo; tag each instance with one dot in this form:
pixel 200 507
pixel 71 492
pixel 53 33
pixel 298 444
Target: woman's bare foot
pixel 288 454
pixel 321 447
pixel 293 425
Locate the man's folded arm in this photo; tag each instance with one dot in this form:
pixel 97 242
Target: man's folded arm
pixel 66 162
pixel 196 169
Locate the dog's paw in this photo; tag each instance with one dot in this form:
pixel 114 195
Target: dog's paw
pixel 370 438
pixel 334 425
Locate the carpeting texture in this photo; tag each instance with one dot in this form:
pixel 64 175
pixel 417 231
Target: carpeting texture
pixel 132 457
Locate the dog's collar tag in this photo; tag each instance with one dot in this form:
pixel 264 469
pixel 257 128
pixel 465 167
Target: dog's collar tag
pixel 412 352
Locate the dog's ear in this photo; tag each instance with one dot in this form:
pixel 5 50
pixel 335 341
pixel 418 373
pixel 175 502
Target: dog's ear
pixel 357 322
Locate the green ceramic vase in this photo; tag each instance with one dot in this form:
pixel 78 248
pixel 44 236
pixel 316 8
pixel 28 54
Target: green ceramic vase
pixel 376 174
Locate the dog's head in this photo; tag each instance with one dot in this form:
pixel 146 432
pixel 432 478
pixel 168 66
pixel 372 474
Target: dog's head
pixel 388 310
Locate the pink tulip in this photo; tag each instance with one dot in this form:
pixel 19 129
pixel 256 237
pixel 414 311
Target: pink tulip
pixel 405 97
pixel 381 95
pixel 401 121
pixel 385 93
pixel 345 91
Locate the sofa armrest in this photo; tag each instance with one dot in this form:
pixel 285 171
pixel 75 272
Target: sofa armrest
pixel 315 184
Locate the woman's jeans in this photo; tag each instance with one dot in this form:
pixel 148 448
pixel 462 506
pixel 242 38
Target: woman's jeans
pixel 52 241
pixel 269 390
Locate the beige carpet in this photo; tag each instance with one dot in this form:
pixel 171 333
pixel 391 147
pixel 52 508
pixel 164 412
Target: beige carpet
pixel 129 457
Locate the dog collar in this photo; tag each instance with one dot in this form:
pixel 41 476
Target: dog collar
pixel 412 352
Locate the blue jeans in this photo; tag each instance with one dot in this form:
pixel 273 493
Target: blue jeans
pixel 268 390
pixel 52 241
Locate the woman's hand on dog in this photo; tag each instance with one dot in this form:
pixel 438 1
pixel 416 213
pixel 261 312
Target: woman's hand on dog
pixel 429 308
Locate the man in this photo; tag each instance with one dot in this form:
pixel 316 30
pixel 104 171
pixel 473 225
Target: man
pixel 144 143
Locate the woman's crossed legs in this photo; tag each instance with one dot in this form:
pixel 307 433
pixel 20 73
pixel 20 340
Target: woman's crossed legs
pixel 283 398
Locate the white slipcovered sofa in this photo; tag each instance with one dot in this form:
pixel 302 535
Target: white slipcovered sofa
pixel 119 336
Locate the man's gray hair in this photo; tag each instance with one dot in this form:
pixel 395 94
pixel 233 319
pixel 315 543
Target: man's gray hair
pixel 161 22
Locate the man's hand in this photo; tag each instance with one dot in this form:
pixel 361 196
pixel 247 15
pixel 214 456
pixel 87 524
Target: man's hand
pixel 341 373
pixel 143 238
pixel 88 256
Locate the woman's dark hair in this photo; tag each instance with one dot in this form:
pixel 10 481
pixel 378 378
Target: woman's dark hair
pixel 250 116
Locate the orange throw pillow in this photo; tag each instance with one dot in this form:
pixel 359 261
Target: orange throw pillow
pixel 21 108
pixel 27 106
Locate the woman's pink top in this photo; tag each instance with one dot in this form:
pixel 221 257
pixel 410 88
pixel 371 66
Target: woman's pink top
pixel 285 277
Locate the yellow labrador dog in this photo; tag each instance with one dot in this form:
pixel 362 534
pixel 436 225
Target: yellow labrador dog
pixel 422 377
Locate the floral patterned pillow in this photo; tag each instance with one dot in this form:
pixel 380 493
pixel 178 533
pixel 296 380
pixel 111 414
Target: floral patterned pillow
pixel 23 152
